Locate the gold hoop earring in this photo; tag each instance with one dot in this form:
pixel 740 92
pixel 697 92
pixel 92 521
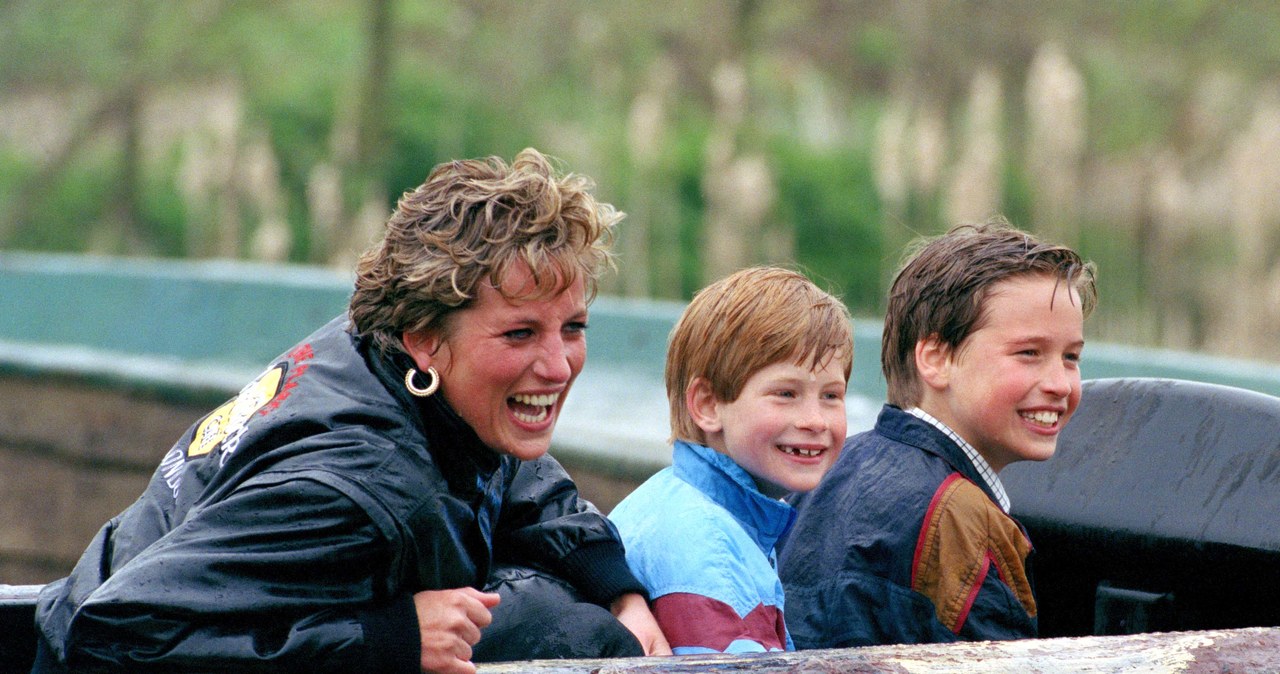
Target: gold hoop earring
pixel 422 392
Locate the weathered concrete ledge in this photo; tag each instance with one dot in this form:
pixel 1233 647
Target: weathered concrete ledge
pixel 1219 651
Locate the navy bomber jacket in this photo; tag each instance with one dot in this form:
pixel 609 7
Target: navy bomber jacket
pixel 289 528
pixel 904 542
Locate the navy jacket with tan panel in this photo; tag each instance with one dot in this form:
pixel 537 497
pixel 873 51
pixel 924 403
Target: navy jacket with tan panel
pixel 903 542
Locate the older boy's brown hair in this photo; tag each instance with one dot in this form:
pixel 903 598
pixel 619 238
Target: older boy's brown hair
pixel 943 287
pixel 745 322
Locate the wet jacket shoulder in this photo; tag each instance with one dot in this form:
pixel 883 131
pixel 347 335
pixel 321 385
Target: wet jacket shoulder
pixel 922 551
pixel 702 537
pixel 291 526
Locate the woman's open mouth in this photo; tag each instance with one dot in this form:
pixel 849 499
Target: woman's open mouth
pixel 532 409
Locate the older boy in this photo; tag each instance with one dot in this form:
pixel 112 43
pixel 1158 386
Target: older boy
pixel 756 375
pixel 909 539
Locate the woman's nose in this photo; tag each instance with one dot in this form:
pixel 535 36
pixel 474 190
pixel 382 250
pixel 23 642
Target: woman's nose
pixel 553 361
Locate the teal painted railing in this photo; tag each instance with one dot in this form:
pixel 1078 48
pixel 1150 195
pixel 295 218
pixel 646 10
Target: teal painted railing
pixel 201 329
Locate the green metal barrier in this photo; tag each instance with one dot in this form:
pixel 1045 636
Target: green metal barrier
pixel 195 332
pixel 198 330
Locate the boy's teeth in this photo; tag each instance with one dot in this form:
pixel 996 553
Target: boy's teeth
pixel 1042 417
pixel 796 451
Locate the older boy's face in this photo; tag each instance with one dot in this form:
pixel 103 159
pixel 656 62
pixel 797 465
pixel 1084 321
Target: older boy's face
pixel 786 427
pixel 1013 384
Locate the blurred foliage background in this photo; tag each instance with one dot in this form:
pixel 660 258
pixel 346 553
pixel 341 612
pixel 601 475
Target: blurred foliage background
pixel 820 133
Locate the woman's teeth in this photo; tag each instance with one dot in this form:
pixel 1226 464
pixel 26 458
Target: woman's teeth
pixel 541 406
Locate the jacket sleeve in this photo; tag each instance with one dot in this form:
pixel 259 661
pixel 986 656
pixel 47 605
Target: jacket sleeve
pixel 714 590
pixel 545 524
pixel 695 624
pixel 970 561
pixel 250 585
pixel 709 587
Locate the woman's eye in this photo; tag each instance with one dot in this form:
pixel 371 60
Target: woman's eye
pixel 520 333
pixel 576 326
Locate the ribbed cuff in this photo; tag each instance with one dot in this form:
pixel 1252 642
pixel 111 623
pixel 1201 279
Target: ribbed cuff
pixel 599 571
pixel 392 638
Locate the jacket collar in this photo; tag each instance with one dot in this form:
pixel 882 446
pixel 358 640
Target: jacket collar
pixel 898 424
pixel 462 458
pixel 724 482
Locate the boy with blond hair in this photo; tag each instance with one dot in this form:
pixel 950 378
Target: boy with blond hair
pixel 909 539
pixel 756 375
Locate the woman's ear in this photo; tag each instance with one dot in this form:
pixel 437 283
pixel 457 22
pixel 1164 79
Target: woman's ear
pixel 933 362
pixel 421 347
pixel 702 406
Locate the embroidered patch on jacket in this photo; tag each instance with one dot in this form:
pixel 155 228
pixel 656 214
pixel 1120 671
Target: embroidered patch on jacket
pixel 965 537
pixel 230 420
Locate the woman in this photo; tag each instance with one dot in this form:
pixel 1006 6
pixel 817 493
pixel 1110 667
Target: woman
pixel 340 513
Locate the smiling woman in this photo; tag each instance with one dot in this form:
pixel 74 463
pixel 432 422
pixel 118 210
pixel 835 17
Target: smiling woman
pixel 380 499
pixel 505 365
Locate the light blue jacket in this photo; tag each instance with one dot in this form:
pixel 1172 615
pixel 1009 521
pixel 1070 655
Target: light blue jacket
pixel 700 536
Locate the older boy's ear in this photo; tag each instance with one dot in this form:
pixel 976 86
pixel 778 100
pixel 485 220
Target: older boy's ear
pixel 701 403
pixel 933 360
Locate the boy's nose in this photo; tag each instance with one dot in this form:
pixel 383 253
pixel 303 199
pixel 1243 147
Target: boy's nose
pixel 812 418
pixel 1059 380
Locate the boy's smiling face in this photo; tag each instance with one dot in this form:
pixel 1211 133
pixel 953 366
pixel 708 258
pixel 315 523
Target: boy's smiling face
pixel 1014 382
pixel 785 428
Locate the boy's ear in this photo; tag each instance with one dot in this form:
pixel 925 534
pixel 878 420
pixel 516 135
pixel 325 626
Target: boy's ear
pixel 701 403
pixel 933 362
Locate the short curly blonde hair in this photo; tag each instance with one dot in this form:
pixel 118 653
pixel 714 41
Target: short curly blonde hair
pixel 470 222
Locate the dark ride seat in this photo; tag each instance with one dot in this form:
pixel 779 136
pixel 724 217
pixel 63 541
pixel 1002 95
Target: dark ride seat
pixel 1160 510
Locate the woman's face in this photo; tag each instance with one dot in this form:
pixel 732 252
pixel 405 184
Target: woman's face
pixel 506 366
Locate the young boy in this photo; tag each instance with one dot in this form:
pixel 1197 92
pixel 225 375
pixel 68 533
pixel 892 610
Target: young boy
pixel 908 539
pixel 756 375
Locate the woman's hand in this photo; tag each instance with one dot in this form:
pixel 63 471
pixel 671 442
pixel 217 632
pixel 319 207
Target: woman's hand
pixel 633 612
pixel 449 624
